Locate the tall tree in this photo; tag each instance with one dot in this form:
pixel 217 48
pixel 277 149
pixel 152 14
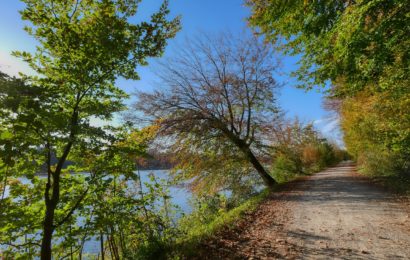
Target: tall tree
pixel 362 48
pixel 219 98
pixel 356 42
pixel 84 46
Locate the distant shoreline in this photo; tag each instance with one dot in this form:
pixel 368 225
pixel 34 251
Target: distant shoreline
pixel 144 169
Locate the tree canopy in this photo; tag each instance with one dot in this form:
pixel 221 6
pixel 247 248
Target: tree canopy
pixel 218 100
pixel 359 43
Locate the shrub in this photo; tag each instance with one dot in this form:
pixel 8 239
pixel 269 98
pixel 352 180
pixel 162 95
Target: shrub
pixel 284 168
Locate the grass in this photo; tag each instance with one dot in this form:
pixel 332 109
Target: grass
pixel 199 232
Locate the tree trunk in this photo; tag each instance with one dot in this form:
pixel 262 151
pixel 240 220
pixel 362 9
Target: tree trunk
pixel 51 203
pixel 267 179
pixel 48 230
pixel 102 245
pixel 244 147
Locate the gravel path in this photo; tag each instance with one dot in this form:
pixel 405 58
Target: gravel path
pixel 334 214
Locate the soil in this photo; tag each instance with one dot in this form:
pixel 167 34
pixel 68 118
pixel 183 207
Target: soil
pixel 334 214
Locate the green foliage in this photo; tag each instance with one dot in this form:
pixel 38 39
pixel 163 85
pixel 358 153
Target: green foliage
pixel 46 120
pixel 207 207
pixel 386 167
pixel 359 42
pixel 137 221
pixel 362 48
pixel 284 169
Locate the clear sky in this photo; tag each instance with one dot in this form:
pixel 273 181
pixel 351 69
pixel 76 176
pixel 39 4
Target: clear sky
pixel 209 16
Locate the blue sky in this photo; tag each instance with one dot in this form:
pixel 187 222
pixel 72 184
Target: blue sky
pixel 210 16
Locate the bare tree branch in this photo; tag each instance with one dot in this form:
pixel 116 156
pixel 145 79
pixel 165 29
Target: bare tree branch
pixel 217 89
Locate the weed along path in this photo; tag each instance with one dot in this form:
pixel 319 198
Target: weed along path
pixel 334 214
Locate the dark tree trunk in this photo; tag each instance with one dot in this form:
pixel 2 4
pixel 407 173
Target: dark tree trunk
pixel 52 202
pixel 48 230
pixel 267 179
pixel 51 205
pixel 244 147
pixel 102 245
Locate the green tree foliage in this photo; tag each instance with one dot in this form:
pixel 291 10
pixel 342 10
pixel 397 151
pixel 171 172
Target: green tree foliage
pixel 133 222
pixel 84 46
pixel 108 202
pixel 362 47
pixel 359 42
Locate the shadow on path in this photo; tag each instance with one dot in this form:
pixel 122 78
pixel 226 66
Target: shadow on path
pixel 334 214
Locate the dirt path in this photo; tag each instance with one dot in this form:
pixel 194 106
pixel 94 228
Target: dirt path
pixel 335 214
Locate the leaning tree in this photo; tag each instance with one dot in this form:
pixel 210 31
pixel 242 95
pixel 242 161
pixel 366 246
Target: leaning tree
pixel 217 100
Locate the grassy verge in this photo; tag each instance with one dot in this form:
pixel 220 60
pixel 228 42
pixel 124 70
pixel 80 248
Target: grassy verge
pixel 198 231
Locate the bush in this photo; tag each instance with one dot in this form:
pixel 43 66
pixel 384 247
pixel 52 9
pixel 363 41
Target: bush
pixel 284 168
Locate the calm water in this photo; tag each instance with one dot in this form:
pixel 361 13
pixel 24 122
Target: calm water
pixel 179 196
